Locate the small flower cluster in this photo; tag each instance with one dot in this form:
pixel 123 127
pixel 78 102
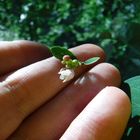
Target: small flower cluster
pixel 67 73
pixel 69 63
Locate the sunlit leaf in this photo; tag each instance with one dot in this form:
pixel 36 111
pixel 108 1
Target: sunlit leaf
pixel 132 88
pixel 59 52
pixel 91 60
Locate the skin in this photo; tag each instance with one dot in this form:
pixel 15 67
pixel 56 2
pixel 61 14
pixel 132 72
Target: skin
pixel 35 104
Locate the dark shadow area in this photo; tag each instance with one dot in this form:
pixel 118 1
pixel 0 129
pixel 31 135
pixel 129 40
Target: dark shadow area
pixel 132 131
pixel 126 88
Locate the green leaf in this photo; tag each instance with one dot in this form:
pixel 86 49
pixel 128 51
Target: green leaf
pixel 132 88
pixel 59 52
pixel 134 85
pixel 91 60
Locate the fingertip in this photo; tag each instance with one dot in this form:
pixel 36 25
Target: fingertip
pixel 105 117
pixel 115 73
pixel 110 74
pixel 115 114
pixel 89 50
pixel 99 50
pixel 121 96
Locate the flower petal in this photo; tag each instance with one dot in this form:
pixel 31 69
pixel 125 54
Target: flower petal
pixel 66 74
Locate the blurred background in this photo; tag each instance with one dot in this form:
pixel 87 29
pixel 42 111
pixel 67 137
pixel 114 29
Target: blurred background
pixel 112 24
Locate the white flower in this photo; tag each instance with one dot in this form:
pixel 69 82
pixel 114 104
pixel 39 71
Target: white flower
pixel 66 74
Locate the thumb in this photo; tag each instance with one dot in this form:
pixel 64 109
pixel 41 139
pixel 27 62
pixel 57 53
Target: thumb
pixel 104 118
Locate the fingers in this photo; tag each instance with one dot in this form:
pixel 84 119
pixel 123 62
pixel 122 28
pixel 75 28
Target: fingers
pixel 104 118
pixel 16 54
pixel 50 121
pixel 30 87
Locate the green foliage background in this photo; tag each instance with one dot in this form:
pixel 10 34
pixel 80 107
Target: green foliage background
pixel 112 24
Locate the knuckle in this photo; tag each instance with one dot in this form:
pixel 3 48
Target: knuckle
pixel 14 95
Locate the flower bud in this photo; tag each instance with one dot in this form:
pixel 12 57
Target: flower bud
pixel 66 58
pixel 75 63
pixel 63 62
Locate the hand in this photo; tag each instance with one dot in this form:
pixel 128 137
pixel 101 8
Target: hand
pixel 36 105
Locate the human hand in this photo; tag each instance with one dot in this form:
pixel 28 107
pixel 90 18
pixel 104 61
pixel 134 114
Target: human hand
pixel 36 105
